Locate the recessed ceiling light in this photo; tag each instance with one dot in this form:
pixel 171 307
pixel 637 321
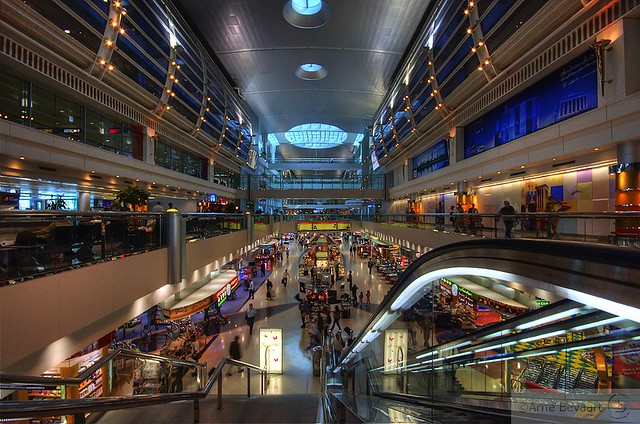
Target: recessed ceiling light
pixel 595 149
pixel 311 72
pixel 67 31
pixel 21 157
pixel 306 14
pixel 521 166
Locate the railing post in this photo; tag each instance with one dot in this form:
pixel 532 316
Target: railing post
pixel 261 382
pixel 220 392
pixel 196 411
pixel 248 382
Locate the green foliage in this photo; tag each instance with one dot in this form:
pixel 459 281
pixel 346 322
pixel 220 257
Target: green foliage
pixel 132 195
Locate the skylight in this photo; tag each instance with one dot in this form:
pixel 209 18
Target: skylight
pixel 306 7
pixel 316 136
pixel 311 72
pixel 306 14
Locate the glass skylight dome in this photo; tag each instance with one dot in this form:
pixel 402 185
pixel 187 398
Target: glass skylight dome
pixel 306 7
pixel 316 136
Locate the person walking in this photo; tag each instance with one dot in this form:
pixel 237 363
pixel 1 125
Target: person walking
pixel 234 353
pixel 269 288
pixel 303 307
pixel 285 277
pixel 250 317
pixel 336 318
pixel 368 304
pixel 370 265
pixel 360 297
pixel 354 293
pixel 337 344
pixel 252 289
pixel 350 279
pixel 507 213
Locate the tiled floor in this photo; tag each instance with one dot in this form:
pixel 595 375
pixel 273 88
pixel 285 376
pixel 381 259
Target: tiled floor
pixel 282 312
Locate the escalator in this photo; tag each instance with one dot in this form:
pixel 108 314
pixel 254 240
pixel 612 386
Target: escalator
pixel 576 356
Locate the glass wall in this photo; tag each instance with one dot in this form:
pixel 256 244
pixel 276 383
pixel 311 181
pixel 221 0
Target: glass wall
pixel 176 159
pixel 29 104
pixel 449 45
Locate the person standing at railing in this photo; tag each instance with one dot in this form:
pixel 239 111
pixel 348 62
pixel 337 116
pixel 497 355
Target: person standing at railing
pixel 507 213
pixel 553 206
pixel 171 208
pixel 474 219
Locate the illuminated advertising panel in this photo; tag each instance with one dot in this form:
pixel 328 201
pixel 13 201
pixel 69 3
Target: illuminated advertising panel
pixel 395 350
pixel 570 91
pixel 271 350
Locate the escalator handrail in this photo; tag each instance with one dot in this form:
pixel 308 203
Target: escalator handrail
pixel 21 409
pixel 612 256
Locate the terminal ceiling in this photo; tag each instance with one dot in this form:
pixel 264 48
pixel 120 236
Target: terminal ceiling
pixel 360 47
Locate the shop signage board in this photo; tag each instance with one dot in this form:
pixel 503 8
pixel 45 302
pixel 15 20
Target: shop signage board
pixel 324 226
pixel 395 350
pixel 224 292
pixel 271 350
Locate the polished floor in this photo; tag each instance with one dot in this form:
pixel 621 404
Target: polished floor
pixel 290 397
pixel 282 312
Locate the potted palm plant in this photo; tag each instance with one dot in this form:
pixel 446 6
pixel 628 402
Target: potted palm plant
pixel 132 195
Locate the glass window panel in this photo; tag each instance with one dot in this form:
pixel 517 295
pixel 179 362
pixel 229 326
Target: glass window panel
pixel 68 119
pixel 463 52
pixel 426 109
pixel 513 23
pixel 451 48
pixel 188 100
pixel 136 37
pixel 42 109
pixel 14 99
pixel 147 25
pixel 215 121
pixel 404 130
pixel 210 130
pixel 419 69
pixel 63 20
pixel 88 13
pixel 179 106
pixel 137 54
pixel 454 17
pixel 145 80
pixel 496 13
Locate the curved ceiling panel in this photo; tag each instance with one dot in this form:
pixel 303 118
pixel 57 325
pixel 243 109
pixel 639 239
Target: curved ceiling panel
pixel 361 46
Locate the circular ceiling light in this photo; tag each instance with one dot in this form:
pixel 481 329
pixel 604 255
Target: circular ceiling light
pixel 311 72
pixel 306 14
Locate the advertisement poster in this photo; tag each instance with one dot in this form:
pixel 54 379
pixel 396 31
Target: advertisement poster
pixel 434 158
pixel 395 350
pixel 271 350
pixel 568 92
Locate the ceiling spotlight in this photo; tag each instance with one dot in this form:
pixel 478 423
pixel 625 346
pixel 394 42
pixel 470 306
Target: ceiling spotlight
pixel 21 157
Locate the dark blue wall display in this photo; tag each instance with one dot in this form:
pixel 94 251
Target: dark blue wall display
pixel 434 158
pixel 567 92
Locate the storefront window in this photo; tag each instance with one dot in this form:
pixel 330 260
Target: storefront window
pixel 14 97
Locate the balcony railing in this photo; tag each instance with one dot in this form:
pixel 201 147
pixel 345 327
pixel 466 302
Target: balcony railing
pixel 276 182
pixel 39 243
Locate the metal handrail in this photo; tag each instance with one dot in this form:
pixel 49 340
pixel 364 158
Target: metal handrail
pixel 77 407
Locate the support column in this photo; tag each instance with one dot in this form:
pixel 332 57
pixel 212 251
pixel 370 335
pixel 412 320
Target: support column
pixel 84 201
pixel 175 241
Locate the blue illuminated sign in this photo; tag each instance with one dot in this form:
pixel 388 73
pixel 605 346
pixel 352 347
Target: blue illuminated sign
pixel 565 93
pixel 434 158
